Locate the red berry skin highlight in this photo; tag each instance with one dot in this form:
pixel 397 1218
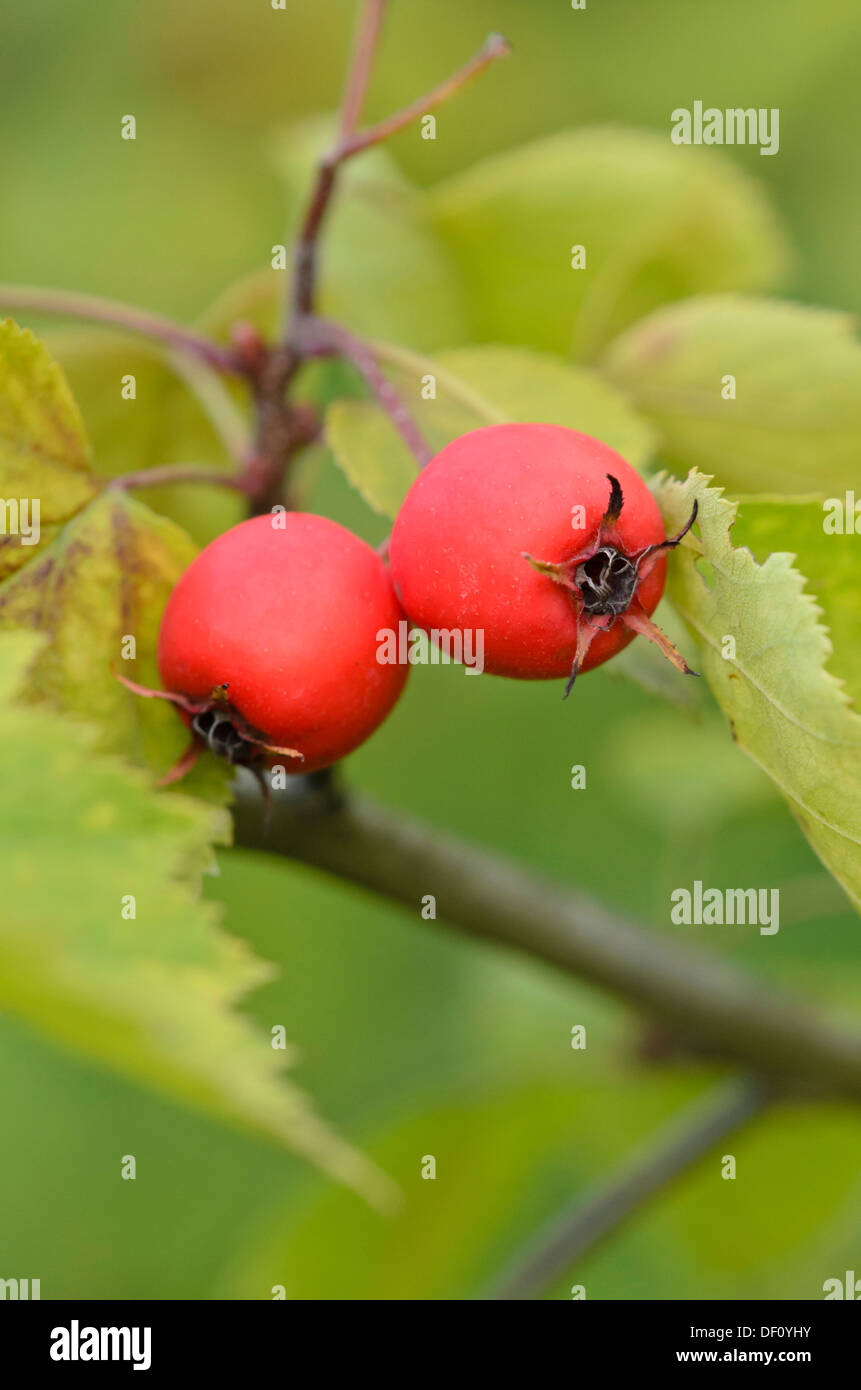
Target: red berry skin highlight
pixel 284 609
pixel 457 548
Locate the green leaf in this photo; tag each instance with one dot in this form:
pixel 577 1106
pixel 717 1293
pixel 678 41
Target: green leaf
pixel 831 563
pixel 474 387
pixel 150 997
pixel 787 712
pixel 44 453
pixel 795 424
pixel 105 577
pixel 658 223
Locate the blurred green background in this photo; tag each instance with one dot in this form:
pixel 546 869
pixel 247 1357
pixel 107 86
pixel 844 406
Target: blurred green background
pixel 413 1042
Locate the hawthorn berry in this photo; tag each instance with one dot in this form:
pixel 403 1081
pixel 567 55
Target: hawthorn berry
pixel 541 536
pixel 268 644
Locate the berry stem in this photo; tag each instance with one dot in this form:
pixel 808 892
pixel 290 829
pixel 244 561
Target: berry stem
pixel 282 430
pixel 66 304
pixel 322 337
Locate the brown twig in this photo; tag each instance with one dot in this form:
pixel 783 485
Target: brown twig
pixel 359 70
pixel 494 47
pixel 321 337
pixel 282 430
pixel 66 304
pixel 305 253
pixel 695 993
pixel 174 473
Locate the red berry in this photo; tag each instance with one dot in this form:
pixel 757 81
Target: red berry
pixel 490 537
pixel 268 644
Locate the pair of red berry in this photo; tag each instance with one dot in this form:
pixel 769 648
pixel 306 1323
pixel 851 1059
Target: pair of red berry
pixel 539 537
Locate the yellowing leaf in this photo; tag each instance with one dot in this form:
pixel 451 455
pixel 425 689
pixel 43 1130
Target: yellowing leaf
pixel 44 454
pixel 787 712
pixel 38 413
pixel 656 222
pixel 472 387
pixel 98 582
pixel 795 422
pixel 163 424
pixel 105 946
pixel 103 579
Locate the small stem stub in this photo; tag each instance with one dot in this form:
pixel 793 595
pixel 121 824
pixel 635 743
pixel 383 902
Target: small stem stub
pixel 602 582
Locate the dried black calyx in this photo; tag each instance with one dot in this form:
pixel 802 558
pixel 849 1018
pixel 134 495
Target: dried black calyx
pixel 602 584
pixel 607 581
pixel 615 504
pixel 222 738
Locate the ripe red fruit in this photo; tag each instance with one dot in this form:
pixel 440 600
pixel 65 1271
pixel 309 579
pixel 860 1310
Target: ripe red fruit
pixel 540 536
pixel 268 644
